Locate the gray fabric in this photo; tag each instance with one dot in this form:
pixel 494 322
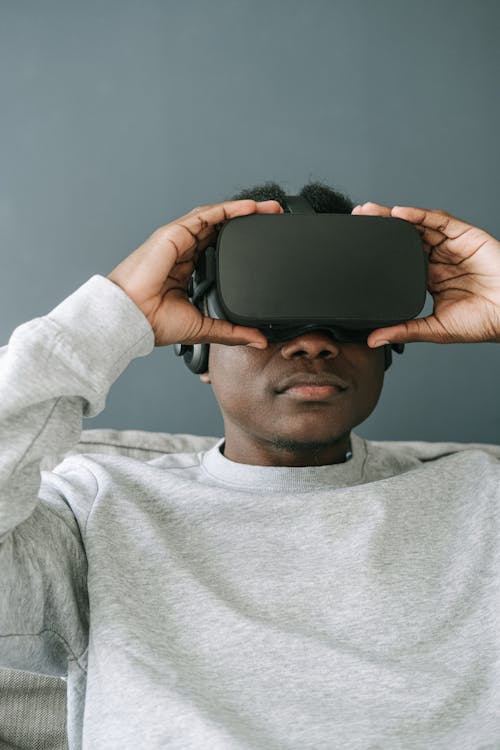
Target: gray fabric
pixel 33 706
pixel 32 711
pixel 137 444
pixel 192 601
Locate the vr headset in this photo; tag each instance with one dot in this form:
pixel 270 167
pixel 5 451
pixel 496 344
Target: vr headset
pixel 287 274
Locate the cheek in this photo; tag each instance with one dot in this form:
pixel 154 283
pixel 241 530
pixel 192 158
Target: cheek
pixel 371 383
pixel 231 369
pixel 367 369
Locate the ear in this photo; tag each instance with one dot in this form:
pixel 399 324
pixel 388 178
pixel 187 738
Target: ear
pixel 205 377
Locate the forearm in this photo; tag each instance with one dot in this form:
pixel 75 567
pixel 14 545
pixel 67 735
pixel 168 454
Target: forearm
pixel 55 370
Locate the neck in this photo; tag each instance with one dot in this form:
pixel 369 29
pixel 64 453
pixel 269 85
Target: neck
pixel 284 451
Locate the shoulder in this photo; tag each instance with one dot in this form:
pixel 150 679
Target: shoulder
pixel 388 458
pixel 423 452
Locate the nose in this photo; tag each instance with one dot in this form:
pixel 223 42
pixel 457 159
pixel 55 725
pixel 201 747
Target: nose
pixel 311 345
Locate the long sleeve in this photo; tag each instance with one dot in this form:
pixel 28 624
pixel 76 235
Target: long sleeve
pixel 55 370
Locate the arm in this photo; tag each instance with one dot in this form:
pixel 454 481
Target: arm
pixel 55 370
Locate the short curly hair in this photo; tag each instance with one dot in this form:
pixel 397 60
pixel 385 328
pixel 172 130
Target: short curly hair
pixel 323 198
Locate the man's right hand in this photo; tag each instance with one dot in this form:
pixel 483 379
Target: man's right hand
pixel 156 276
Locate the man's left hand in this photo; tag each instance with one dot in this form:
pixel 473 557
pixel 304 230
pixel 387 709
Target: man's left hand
pixel 463 279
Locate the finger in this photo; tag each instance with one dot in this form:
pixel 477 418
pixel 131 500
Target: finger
pixel 180 238
pixel 224 332
pixel 433 219
pixel 185 233
pixel 431 237
pixel 377 209
pixel 210 216
pixel 208 235
pixel 452 239
pixel 420 329
pixel 371 209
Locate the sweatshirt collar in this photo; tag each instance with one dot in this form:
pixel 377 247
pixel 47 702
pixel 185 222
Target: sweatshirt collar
pixel 286 478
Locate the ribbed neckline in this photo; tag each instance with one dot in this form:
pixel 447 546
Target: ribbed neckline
pixel 286 478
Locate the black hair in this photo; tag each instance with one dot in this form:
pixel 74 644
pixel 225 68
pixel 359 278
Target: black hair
pixel 322 198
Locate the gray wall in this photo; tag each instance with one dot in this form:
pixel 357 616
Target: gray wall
pixel 117 117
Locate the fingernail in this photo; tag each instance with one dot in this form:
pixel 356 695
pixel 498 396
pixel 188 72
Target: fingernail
pixel 256 346
pixel 380 343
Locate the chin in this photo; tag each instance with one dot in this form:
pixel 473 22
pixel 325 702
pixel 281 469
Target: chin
pixel 297 440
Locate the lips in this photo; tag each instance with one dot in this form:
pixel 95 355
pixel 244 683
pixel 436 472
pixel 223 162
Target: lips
pixel 311 380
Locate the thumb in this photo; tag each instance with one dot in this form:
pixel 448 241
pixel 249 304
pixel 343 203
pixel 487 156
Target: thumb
pixel 215 331
pixel 421 329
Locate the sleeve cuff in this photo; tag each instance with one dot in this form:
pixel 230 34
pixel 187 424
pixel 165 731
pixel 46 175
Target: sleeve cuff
pixel 105 327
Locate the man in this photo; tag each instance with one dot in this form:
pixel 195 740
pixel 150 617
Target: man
pixel 271 592
pixel 268 422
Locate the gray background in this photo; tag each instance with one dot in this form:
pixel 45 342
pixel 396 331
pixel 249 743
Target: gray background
pixel 117 117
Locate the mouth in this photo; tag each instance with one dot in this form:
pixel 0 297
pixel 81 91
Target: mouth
pixel 309 387
pixel 313 392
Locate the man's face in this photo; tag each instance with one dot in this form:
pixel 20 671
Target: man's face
pixel 264 426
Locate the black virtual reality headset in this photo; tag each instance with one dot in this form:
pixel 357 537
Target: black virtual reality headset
pixel 287 274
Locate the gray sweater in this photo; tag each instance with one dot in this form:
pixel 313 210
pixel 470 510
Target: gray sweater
pixel 198 603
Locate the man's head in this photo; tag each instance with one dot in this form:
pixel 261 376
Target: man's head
pixel 267 425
